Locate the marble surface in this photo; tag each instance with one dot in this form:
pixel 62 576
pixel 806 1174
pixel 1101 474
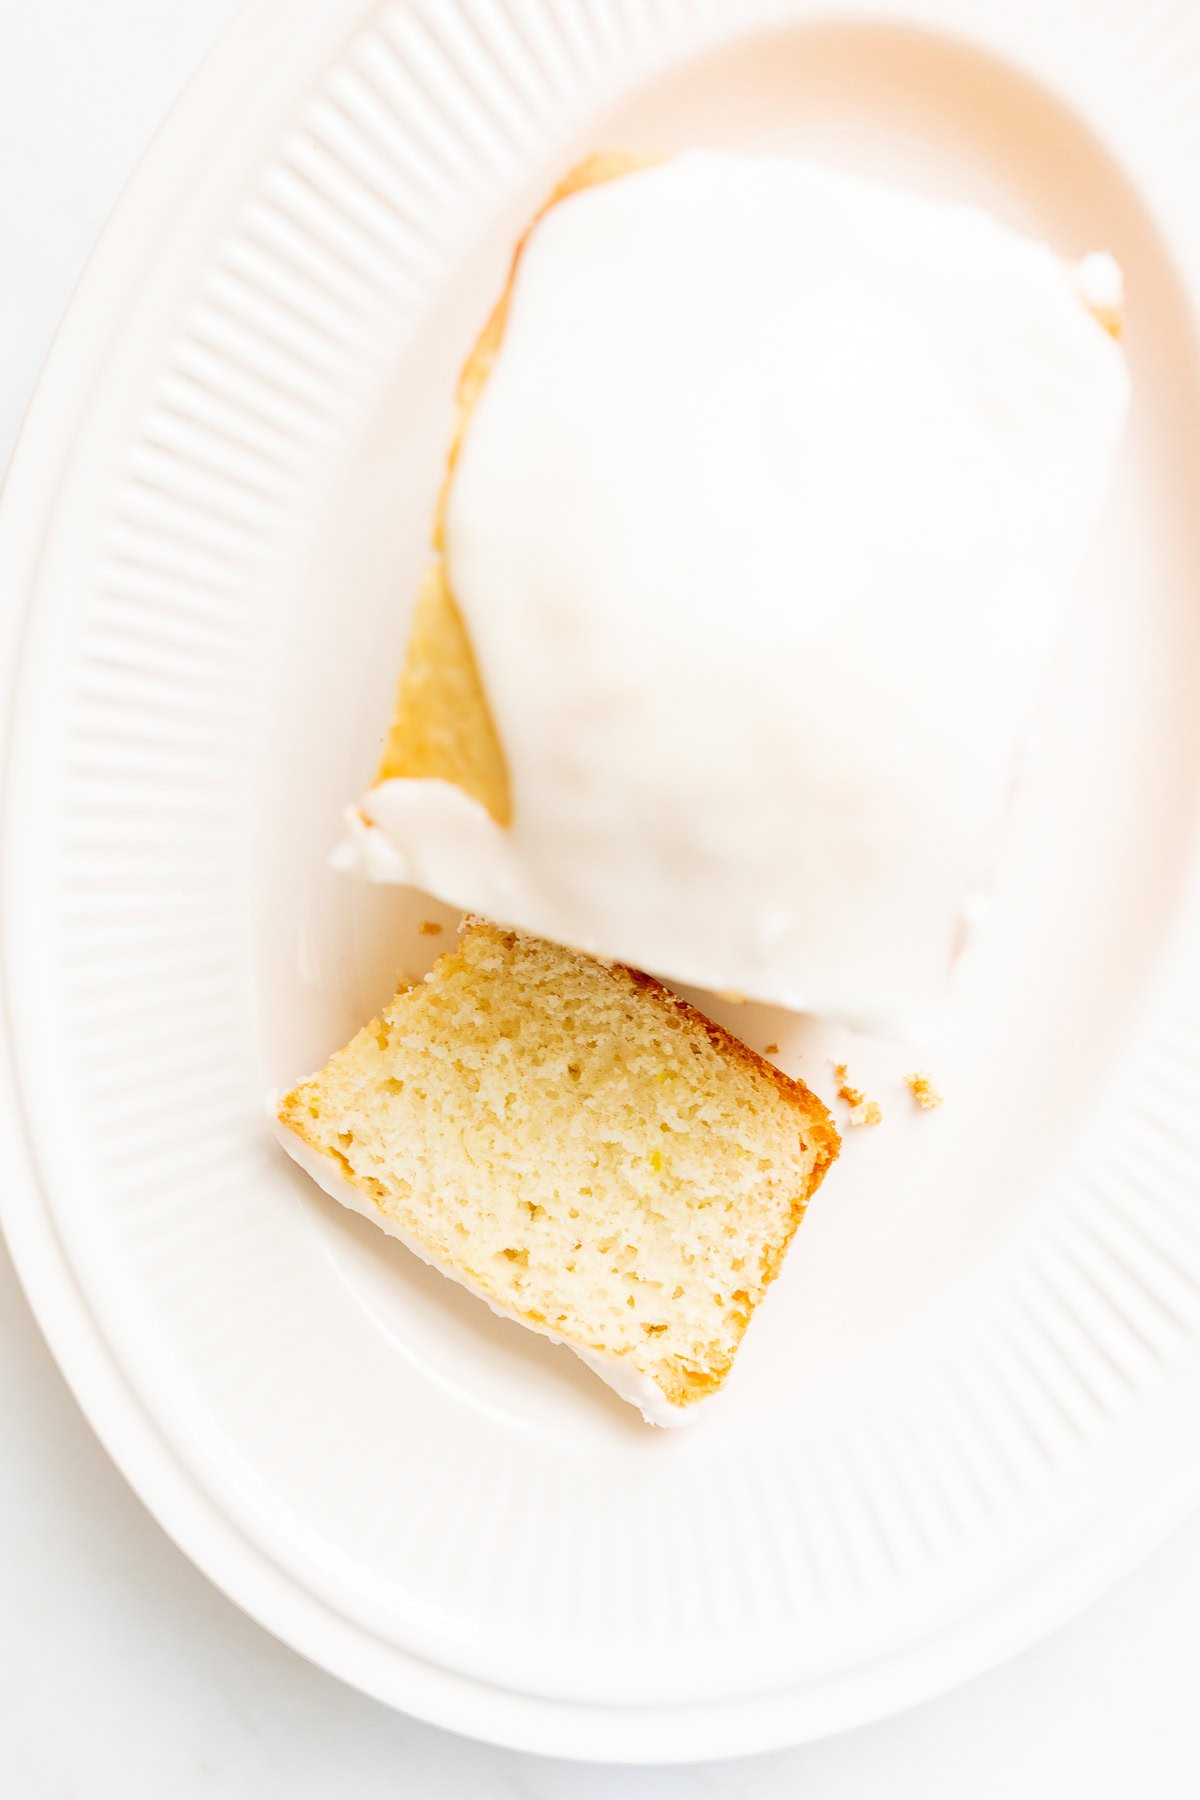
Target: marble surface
pixel 122 1672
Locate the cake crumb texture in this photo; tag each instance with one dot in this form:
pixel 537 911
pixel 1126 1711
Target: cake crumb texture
pixel 580 1147
pixel 862 1110
pixel 923 1091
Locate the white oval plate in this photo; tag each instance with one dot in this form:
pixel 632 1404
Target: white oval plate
pixel 973 1398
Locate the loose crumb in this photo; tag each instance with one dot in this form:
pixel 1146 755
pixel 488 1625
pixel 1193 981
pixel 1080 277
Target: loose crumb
pixel 862 1110
pixel 429 928
pixel 867 1112
pixel 732 996
pixel 923 1091
pixel 771 1050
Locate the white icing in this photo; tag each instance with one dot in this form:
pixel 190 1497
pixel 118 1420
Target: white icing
pixel 630 1383
pixel 1101 284
pixel 763 529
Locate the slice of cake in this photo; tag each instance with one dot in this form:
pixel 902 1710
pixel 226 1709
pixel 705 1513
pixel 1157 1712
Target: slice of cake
pixel 578 1146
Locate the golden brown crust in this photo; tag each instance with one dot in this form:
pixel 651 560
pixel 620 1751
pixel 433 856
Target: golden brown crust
pixel 442 726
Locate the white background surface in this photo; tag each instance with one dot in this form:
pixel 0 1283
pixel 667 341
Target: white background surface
pixel 121 1671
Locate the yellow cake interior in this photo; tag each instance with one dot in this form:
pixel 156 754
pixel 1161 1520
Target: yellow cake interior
pixel 578 1146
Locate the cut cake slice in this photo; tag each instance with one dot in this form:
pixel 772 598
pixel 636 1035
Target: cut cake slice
pixel 584 1150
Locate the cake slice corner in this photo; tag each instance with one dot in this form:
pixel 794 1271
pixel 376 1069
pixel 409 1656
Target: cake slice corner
pixel 579 1147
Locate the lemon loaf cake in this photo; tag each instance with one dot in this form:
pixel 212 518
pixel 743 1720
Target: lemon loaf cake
pixel 580 1148
pixel 767 491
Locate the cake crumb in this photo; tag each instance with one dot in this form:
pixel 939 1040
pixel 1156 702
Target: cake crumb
pixel 771 1050
pixel 862 1110
pixel 923 1091
pixel 731 995
pixel 429 928
pixel 866 1112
